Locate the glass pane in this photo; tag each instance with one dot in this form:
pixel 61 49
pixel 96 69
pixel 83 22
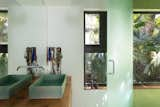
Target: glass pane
pixel 95 70
pixel 3 64
pixel 119 51
pixel 146 31
pixel 3 27
pixel 92 29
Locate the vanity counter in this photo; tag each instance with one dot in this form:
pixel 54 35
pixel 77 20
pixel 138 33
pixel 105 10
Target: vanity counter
pixel 22 100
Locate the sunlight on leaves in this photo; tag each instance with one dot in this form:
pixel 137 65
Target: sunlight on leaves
pixel 92 29
pixel 146 35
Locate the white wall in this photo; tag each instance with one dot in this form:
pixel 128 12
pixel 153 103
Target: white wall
pixel 4 4
pixel 28 28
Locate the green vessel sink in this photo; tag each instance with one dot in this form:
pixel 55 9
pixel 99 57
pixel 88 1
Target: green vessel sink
pixel 48 87
pixel 10 85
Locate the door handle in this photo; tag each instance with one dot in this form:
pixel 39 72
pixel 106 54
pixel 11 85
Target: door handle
pixel 113 65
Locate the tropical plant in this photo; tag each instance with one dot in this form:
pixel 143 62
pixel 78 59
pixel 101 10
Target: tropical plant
pixel 96 65
pixel 3 64
pixel 3 27
pixel 146 34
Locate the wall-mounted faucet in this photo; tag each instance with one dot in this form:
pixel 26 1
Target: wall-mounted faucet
pixel 30 67
pixel 54 59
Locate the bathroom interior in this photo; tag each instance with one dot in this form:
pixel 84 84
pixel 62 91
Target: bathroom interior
pixel 79 53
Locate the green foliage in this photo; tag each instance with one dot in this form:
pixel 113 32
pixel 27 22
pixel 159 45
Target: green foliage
pixel 146 39
pixel 157 22
pixel 3 64
pixel 3 27
pixel 97 66
pixel 140 24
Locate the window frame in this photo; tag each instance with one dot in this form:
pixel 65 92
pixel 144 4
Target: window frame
pixel 146 12
pixel 149 85
pixel 102 47
pixel 3 47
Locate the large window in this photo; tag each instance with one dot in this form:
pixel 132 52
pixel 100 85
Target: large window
pixel 3 42
pixel 95 34
pixel 146 33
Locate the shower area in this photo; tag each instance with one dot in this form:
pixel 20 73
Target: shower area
pixel 61 23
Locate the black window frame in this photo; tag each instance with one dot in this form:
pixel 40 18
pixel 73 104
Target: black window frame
pixel 146 12
pixel 102 47
pixel 4 47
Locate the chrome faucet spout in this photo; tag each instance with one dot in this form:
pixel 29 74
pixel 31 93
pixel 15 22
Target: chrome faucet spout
pixel 40 67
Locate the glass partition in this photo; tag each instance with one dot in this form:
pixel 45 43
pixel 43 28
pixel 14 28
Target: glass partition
pixel 119 54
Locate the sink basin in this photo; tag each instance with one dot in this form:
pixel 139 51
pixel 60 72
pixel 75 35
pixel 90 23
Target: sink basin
pixel 10 85
pixel 48 87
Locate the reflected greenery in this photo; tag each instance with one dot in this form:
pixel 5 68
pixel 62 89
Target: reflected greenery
pixel 3 39
pixel 3 64
pixel 95 69
pixel 3 27
pixel 92 26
